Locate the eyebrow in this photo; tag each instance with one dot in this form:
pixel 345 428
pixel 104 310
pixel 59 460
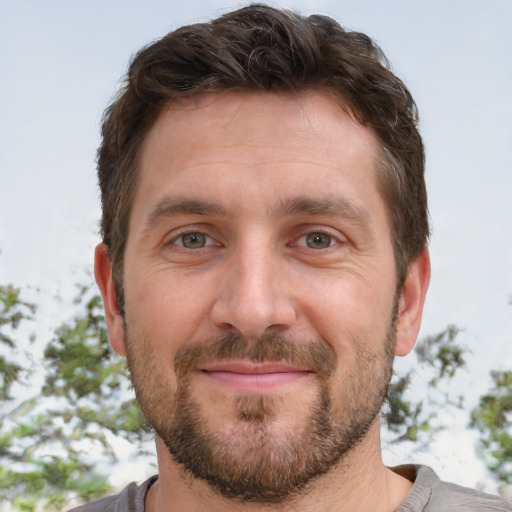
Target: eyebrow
pixel 337 206
pixel 181 206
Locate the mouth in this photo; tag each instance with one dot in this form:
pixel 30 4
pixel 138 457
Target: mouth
pixel 248 376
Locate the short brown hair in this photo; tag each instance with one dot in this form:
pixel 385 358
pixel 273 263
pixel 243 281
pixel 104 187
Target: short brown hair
pixel 260 48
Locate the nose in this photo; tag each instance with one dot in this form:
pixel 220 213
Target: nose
pixel 252 300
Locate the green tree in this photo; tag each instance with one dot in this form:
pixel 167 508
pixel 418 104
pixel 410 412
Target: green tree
pixel 46 441
pixel 493 418
pixel 13 312
pixel 83 370
pixel 437 359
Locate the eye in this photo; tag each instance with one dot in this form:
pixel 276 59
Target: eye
pixel 317 240
pixel 194 240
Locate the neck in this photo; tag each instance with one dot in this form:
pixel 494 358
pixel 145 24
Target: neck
pixel 361 482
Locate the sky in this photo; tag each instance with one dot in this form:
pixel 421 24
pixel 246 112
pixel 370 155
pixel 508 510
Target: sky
pixel 61 63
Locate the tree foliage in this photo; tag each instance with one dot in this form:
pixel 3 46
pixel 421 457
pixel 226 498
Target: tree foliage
pixel 493 418
pixel 437 360
pixel 83 370
pixel 13 311
pixel 50 444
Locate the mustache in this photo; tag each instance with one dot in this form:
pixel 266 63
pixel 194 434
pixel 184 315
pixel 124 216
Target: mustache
pixel 316 356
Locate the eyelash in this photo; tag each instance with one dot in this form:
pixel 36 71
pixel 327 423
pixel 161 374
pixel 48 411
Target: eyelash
pixel 210 241
pixel 174 241
pixel 333 240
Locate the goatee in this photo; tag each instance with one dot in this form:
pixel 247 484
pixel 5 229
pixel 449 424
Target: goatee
pixel 250 459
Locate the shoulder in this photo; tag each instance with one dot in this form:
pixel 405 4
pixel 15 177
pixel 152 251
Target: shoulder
pixel 447 496
pixel 130 499
pixel 430 494
pixel 103 505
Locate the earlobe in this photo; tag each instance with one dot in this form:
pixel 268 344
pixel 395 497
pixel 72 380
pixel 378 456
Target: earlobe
pixel 412 299
pixel 105 281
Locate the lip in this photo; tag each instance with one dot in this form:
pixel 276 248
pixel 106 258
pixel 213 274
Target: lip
pixel 248 376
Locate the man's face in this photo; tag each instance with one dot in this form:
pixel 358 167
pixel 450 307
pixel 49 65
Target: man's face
pixel 260 289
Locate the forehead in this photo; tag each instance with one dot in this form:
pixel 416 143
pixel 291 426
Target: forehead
pixel 310 118
pixel 247 147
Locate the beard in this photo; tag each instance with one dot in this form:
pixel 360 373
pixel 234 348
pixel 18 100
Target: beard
pixel 256 456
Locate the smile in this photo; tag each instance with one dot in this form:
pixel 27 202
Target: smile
pixel 248 376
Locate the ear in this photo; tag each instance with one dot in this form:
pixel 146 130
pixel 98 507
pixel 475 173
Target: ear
pixel 410 307
pixel 105 281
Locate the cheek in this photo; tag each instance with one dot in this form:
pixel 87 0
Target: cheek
pixel 167 310
pixel 348 307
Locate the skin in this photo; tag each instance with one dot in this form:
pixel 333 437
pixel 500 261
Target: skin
pixel 246 159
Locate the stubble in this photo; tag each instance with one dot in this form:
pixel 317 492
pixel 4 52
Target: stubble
pixel 248 460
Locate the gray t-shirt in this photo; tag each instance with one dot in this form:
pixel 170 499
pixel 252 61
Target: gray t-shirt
pixel 429 494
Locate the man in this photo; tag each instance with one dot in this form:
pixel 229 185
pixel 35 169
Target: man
pixel 264 258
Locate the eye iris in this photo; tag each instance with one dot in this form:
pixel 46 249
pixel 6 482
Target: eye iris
pixel 318 240
pixel 194 240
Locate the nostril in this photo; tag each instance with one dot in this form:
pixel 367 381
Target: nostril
pixel 250 301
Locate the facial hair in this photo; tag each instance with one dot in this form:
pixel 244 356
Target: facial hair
pixel 246 460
